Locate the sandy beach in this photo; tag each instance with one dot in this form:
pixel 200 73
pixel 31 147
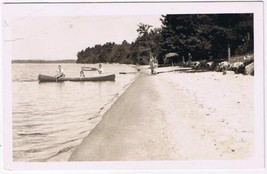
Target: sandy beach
pixel 176 116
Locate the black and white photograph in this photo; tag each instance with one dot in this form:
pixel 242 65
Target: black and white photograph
pixel 178 84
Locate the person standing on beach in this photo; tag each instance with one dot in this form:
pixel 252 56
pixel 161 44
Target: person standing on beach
pixel 60 72
pixel 153 64
pixel 100 69
pixel 189 57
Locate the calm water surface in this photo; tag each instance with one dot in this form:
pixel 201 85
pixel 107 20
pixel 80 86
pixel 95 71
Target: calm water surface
pixel 51 119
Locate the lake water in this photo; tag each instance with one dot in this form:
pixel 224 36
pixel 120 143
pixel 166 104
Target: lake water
pixel 51 119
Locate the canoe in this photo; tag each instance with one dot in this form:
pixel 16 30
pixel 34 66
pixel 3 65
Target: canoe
pixel 88 69
pixel 45 78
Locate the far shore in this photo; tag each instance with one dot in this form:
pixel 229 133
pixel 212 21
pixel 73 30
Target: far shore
pixel 45 61
pixel 176 115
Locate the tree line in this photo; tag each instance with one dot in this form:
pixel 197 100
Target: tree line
pixel 204 36
pixel 44 61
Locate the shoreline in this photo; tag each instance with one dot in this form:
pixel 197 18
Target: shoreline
pixel 167 118
pixel 64 156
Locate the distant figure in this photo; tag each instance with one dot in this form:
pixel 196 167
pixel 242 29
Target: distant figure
pixel 82 74
pixel 100 69
pixel 60 72
pixel 153 64
pixel 189 57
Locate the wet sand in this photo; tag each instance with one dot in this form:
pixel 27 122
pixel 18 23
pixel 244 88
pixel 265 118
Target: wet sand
pixel 176 116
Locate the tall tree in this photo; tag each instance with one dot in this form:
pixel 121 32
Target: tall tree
pixel 202 35
pixel 185 34
pixel 147 42
pixel 207 35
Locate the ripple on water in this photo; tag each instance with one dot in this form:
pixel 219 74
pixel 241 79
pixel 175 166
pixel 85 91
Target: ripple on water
pixel 51 119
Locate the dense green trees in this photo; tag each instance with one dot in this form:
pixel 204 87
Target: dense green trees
pixel 204 36
pixel 207 36
pixel 130 53
pixel 147 42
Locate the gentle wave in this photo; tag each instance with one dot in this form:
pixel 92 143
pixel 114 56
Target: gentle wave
pixel 50 120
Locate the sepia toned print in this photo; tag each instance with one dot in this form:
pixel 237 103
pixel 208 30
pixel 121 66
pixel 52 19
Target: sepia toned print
pixel 124 87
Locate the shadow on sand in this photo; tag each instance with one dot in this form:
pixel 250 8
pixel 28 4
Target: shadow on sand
pixel 185 70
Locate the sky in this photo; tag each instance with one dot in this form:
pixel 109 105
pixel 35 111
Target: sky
pixel 44 32
pixel 60 30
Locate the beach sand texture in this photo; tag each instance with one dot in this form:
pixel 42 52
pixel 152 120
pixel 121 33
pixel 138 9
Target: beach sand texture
pixel 176 116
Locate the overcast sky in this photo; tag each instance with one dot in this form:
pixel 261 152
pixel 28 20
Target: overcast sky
pixel 40 32
pixel 59 31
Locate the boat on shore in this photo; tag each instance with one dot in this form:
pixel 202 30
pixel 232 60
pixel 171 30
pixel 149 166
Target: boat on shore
pixel 45 78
